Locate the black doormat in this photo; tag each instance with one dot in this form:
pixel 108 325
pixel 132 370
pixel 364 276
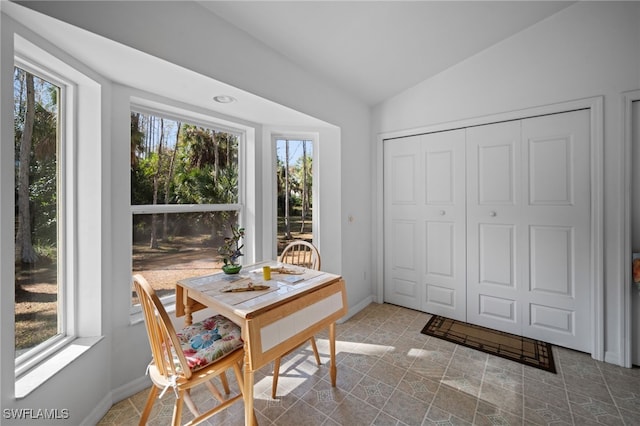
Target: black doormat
pixel 516 348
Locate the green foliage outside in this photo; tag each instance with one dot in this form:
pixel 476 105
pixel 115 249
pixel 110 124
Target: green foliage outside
pixel 295 183
pixel 42 190
pixel 176 163
pixel 36 187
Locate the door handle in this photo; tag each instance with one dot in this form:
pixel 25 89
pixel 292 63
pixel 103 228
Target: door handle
pixel 493 214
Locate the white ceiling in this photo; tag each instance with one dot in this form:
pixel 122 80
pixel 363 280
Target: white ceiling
pixel 125 65
pixel 372 50
pixel 376 49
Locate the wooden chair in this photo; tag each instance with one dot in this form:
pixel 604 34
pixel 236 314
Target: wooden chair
pixel 299 253
pixel 191 357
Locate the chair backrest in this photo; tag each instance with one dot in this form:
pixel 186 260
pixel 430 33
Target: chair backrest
pixel 301 253
pixel 165 345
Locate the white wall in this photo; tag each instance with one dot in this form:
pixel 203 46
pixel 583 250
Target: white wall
pixel 91 242
pixel 589 49
pixel 115 367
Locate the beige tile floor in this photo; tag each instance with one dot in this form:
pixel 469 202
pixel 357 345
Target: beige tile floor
pixel 391 374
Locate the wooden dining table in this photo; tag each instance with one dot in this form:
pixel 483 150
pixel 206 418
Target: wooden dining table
pixel 276 315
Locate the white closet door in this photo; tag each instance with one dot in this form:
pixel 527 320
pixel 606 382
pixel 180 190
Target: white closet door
pixel 557 217
pixel 443 266
pixel 424 223
pixel 402 224
pixel 494 283
pixel 529 228
pixel 491 225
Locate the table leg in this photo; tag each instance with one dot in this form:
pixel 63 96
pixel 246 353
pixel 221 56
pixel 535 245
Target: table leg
pixel 332 349
pixel 188 309
pixel 249 416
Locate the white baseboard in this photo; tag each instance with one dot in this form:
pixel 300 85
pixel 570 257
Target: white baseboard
pixel 99 412
pixel 115 396
pixel 131 388
pixel 612 358
pixel 355 309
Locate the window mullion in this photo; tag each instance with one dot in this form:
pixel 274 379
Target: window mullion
pixel 183 208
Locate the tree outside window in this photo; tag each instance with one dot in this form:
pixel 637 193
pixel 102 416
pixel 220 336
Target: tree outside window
pixel 295 183
pixel 184 195
pixel 38 314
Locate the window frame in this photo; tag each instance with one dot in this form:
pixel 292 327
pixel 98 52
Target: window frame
pixel 191 118
pixel 66 229
pixel 86 121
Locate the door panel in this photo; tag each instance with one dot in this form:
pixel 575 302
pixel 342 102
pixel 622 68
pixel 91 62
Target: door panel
pixel 498 308
pixel 403 235
pixel 550 171
pixel 424 223
pixel 497 252
pixel 495 168
pixel 401 224
pixel 494 284
pixel 551 256
pixel 440 247
pixel 444 272
pixel 553 320
pixel 556 173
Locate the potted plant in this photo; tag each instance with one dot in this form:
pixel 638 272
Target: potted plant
pixel 231 250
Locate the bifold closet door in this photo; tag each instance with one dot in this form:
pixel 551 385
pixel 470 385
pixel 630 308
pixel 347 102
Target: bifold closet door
pixel 491 225
pixel 528 221
pixel 494 208
pixel 402 224
pixel 556 163
pixel 425 266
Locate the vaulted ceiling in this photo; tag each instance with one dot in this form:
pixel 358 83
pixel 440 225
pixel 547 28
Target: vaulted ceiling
pixel 370 49
pixel 376 49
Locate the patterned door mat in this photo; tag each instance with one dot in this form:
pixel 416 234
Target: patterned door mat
pixel 534 353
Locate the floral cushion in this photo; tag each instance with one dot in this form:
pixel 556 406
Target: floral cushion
pixel 209 340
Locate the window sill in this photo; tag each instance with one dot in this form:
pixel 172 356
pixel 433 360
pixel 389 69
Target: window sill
pixel 45 370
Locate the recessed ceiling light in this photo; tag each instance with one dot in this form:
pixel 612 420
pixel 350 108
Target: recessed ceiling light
pixel 224 99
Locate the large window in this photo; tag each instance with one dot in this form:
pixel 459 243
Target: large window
pixel 185 197
pixel 39 222
pixel 295 184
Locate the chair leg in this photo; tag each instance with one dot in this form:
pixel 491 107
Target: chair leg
pixel 315 349
pixel 214 390
pixel 237 369
pixel 276 371
pixel 177 409
pixel 225 382
pixel 148 405
pixel 276 367
pixel 190 404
